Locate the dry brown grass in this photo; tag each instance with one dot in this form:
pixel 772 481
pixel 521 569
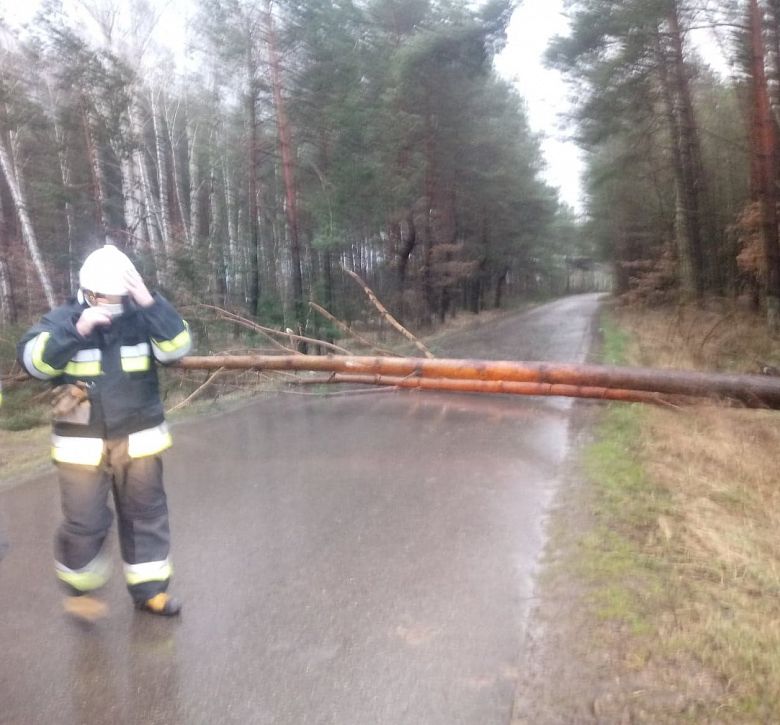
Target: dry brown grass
pixel 718 536
pixel 720 337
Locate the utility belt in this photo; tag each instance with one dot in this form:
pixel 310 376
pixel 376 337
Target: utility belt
pixel 86 451
pixel 72 408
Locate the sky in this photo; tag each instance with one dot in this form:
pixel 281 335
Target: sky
pixel 530 30
pixel 533 24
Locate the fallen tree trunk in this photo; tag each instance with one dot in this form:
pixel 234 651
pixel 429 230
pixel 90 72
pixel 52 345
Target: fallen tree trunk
pixel 500 386
pixel 751 390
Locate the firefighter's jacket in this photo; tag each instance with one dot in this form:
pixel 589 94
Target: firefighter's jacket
pixel 117 366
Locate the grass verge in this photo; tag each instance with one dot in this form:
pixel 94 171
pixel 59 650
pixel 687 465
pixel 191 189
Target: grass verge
pixel 682 563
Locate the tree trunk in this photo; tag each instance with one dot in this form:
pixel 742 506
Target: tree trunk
pixel 162 174
pixel 752 390
pixel 216 225
pixel 133 205
pixel 430 210
pixel 500 284
pixel 178 180
pixel 493 386
pixel 16 185
pixel 8 312
pixel 408 238
pixel 233 277
pixel 285 147
pixel 152 215
pixel 67 185
pixel 254 237
pixel 7 307
pixel 686 158
pixel 691 156
pixel 763 140
pixel 476 293
pixel 195 188
pixel 96 164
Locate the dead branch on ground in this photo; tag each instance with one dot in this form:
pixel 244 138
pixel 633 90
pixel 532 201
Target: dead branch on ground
pixel 209 380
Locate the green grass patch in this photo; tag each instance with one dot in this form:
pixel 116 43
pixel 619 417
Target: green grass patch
pixel 626 580
pixel 680 565
pixel 615 341
pixel 22 408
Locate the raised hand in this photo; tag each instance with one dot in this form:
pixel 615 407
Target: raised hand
pixel 91 318
pixel 137 289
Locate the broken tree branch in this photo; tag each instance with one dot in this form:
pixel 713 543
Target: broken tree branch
pixel 229 316
pixel 387 316
pixel 209 380
pixel 345 328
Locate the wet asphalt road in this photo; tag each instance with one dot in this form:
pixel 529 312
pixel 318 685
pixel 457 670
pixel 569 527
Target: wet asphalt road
pixel 345 560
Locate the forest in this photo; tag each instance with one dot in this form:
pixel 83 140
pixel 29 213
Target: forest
pixel 289 142
pixel 682 163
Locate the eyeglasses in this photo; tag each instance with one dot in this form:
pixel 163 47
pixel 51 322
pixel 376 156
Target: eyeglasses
pixel 96 298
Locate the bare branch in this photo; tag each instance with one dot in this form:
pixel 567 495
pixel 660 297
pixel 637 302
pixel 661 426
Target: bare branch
pixel 345 328
pixel 387 316
pixel 209 380
pixel 269 331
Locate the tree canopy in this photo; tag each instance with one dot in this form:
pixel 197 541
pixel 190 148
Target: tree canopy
pixel 291 140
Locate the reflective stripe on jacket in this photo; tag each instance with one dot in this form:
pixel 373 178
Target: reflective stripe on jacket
pixel 118 365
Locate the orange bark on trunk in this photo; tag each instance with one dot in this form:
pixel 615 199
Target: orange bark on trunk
pixel 751 390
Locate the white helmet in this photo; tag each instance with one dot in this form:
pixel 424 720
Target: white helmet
pixel 104 271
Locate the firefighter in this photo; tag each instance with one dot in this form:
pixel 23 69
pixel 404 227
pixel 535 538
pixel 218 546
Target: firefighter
pixel 100 351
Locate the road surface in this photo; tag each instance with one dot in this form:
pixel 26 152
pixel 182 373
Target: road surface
pixel 344 560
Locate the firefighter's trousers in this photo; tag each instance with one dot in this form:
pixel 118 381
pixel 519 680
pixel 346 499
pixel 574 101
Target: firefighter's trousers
pixel 142 522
